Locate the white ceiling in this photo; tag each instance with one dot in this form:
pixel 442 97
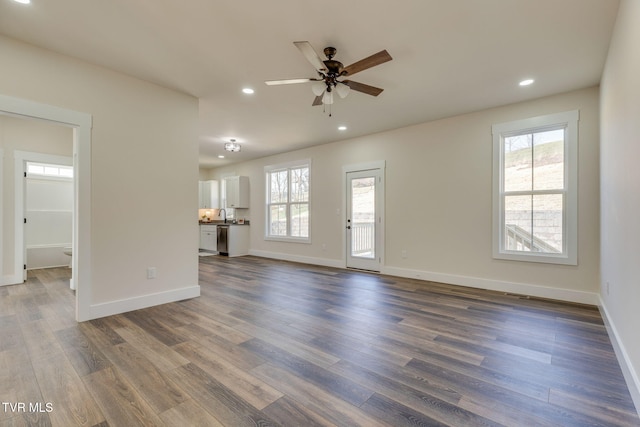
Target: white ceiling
pixel 449 57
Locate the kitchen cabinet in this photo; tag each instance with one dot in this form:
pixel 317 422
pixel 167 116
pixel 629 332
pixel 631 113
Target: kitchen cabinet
pixel 208 195
pixel 237 188
pixel 233 240
pixel 208 237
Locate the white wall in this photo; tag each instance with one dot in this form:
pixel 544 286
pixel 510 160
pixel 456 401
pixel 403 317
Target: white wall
pixel 24 135
pixel 620 188
pixel 144 173
pixel 438 201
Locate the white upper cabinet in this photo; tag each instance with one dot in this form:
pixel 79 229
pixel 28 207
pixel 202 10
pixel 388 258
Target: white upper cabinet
pixel 237 188
pixel 208 195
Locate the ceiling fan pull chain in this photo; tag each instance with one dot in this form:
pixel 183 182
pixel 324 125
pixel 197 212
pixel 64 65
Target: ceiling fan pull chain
pixel 324 109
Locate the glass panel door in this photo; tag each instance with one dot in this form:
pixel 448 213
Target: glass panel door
pixel 363 219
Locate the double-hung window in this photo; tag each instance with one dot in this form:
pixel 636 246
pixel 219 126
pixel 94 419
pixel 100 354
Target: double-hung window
pixel 535 197
pixel 287 213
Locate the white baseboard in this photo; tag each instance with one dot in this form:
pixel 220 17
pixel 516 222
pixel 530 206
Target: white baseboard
pixel 529 289
pixel 630 374
pixel 559 294
pixel 144 301
pixel 335 263
pixel 11 280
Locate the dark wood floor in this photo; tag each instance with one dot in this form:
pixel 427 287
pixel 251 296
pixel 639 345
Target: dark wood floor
pixel 276 343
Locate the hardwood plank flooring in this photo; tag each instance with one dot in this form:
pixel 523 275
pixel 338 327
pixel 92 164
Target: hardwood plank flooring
pixel 273 343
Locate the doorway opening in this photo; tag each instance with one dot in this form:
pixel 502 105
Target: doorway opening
pixel 46 192
pixel 81 124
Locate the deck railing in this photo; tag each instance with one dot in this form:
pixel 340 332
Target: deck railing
pixel 519 239
pixel 363 238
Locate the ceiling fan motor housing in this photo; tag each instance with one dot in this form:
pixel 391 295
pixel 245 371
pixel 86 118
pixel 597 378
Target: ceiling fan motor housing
pixel 334 68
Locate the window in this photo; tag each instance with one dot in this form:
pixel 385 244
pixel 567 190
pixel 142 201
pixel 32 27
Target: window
pixel 288 201
pixel 535 189
pixel 49 171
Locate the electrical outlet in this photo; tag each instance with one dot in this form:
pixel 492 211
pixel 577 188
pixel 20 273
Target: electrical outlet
pixel 324 247
pixel 151 272
pixel 403 254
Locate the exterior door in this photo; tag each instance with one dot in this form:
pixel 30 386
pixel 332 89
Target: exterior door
pixel 364 219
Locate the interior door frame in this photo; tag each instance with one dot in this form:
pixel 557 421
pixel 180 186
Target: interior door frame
pixel 380 231
pixel 81 124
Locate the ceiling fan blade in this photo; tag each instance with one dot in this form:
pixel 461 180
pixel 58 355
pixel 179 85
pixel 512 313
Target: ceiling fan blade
pixel 361 87
pixel 311 55
pixel 368 62
pixel 288 81
pixel 317 101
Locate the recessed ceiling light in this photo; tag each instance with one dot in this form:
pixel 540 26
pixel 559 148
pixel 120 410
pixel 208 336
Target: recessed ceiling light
pixel 23 1
pixel 221 156
pixel 526 82
pixel 248 90
pixel 342 128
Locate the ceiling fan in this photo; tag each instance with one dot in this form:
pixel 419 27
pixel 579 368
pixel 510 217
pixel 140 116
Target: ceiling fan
pixel 330 70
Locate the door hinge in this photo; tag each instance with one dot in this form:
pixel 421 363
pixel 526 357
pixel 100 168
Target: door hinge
pixel 24 266
pixel 25 220
pixel 25 174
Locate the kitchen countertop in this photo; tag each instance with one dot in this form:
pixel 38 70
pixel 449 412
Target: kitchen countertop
pixel 220 223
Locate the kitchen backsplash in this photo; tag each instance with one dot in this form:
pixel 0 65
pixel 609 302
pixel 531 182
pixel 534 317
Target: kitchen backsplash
pixel 212 214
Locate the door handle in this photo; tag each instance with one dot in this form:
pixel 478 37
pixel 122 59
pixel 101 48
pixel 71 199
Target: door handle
pixel 348 227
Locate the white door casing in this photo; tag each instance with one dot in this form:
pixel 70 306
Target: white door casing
pixel 364 216
pixel 81 124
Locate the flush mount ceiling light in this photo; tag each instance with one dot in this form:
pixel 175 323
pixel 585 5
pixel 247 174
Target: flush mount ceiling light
pixel 248 90
pixel 342 128
pixel 232 146
pixel 526 82
pixel 23 1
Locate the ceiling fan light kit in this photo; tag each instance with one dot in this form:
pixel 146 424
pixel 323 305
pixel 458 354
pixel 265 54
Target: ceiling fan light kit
pixel 343 90
pixel 327 98
pixel 318 88
pixel 330 70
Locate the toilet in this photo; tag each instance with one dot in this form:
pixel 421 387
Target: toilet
pixel 68 250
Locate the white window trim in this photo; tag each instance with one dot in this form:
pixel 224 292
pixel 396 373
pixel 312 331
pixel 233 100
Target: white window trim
pixel 568 119
pixel 287 166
